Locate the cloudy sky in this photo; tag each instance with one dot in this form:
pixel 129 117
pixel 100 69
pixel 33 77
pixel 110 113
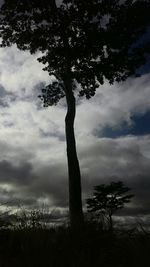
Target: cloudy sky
pixel 112 133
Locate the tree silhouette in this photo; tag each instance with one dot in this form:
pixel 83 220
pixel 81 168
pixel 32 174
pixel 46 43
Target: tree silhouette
pixel 107 199
pixel 84 43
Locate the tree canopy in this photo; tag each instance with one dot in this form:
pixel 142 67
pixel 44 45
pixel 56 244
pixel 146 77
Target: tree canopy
pixel 88 40
pixel 107 199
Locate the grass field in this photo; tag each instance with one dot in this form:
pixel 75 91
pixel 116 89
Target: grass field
pixel 60 247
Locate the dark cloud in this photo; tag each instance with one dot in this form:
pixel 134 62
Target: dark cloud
pixel 108 160
pixel 120 159
pixel 21 174
pixel 21 185
pixel 52 182
pixel 33 165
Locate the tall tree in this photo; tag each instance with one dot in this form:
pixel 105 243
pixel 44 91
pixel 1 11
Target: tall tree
pixel 83 42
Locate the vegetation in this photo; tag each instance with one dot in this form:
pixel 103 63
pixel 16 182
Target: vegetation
pixel 28 241
pixel 83 43
pixel 107 199
pixel 60 247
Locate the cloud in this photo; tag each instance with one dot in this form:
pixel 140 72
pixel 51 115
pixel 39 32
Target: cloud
pixel 33 164
pixel 126 159
pixel 114 105
pixel 23 70
pixel 15 174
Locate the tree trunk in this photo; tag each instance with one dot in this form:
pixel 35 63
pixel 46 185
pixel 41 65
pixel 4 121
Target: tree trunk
pixel 75 200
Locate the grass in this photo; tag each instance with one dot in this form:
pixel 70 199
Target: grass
pixel 60 247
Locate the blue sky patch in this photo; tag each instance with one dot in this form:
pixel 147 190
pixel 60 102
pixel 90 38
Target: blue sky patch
pixel 140 126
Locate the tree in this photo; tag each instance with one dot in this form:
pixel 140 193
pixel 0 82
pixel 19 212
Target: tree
pixel 83 43
pixel 107 199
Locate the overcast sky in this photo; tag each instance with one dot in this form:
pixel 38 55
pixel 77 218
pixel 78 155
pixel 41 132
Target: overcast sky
pixel 112 133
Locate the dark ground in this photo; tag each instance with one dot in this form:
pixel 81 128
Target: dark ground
pixel 59 247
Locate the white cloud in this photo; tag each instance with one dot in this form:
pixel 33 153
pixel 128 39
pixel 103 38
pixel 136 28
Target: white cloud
pixel 33 137
pixel 19 71
pixel 113 105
